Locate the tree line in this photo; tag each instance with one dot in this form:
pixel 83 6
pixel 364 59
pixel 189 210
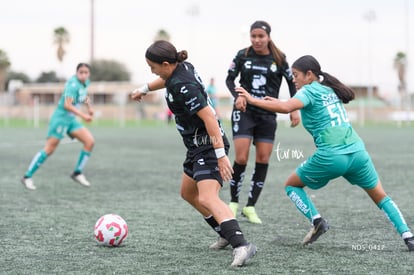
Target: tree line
pixel 101 69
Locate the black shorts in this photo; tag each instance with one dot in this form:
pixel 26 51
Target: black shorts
pixel 259 127
pixel 202 166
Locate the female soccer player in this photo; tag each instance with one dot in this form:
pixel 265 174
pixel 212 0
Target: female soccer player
pixel 340 151
pixel 206 164
pixel 63 121
pixel 261 67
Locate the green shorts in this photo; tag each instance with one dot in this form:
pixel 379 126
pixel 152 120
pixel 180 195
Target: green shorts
pixel 58 127
pixel 355 167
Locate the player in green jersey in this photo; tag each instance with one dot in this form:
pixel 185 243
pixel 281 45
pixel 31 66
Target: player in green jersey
pixel 63 121
pixel 206 164
pixel 340 151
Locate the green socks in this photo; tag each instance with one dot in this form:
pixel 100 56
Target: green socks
pixel 303 203
pixel 37 161
pixel 394 215
pixel 83 159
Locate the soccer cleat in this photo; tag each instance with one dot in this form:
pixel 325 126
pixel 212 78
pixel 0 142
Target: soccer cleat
pixel 317 230
pixel 28 183
pixel 221 243
pixel 250 213
pixel 234 206
pixel 410 243
pixel 80 178
pixel 242 254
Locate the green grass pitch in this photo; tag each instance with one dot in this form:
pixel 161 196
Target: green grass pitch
pixel 136 171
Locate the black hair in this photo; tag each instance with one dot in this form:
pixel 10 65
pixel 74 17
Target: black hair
pixel 277 54
pixel 260 24
pixel 80 65
pixel 163 51
pixel 309 63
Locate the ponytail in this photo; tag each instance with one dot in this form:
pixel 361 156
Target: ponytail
pixel 277 54
pixel 309 63
pixel 344 93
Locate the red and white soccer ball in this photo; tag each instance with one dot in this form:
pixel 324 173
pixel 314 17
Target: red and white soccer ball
pixel 110 230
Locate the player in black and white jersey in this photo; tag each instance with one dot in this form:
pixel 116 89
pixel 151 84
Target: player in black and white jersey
pixel 206 164
pixel 261 67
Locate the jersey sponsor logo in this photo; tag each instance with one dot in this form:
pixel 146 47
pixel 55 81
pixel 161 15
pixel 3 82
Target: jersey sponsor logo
pixel 183 90
pixel 201 161
pixel 273 67
pixel 259 81
pixel 191 101
pixel 194 106
pixel 329 99
pixel 248 64
pixel 236 127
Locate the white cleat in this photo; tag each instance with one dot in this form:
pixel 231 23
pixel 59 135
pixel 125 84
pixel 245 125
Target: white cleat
pixel 221 243
pixel 80 178
pixel 242 254
pixel 28 183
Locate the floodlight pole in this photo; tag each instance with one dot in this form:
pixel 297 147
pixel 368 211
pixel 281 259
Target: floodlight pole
pixel 193 12
pixel 92 53
pixel 370 17
pixel 407 45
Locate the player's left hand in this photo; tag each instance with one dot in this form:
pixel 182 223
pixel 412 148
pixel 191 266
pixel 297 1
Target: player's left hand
pixel 294 118
pixel 243 93
pixel 225 168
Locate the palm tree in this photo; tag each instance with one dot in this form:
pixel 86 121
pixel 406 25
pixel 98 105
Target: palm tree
pixel 4 65
pixel 162 35
pixel 61 38
pixel 400 64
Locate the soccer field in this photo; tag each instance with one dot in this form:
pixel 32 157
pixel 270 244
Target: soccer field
pixel 136 171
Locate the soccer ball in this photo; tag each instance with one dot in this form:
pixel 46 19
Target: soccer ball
pixel 110 230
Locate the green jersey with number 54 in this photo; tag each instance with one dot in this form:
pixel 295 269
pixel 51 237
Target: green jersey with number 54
pixel 326 119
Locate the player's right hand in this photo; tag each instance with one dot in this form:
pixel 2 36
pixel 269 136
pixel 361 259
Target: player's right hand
pixel 137 95
pixel 87 117
pixel 240 103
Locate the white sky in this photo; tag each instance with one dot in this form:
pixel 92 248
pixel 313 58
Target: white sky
pixel 335 32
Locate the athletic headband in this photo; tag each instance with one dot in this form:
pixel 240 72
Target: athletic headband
pixel 261 25
pixel 159 59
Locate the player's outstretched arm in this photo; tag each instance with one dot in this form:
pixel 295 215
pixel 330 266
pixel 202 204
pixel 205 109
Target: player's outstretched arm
pixel 272 104
pixel 139 93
